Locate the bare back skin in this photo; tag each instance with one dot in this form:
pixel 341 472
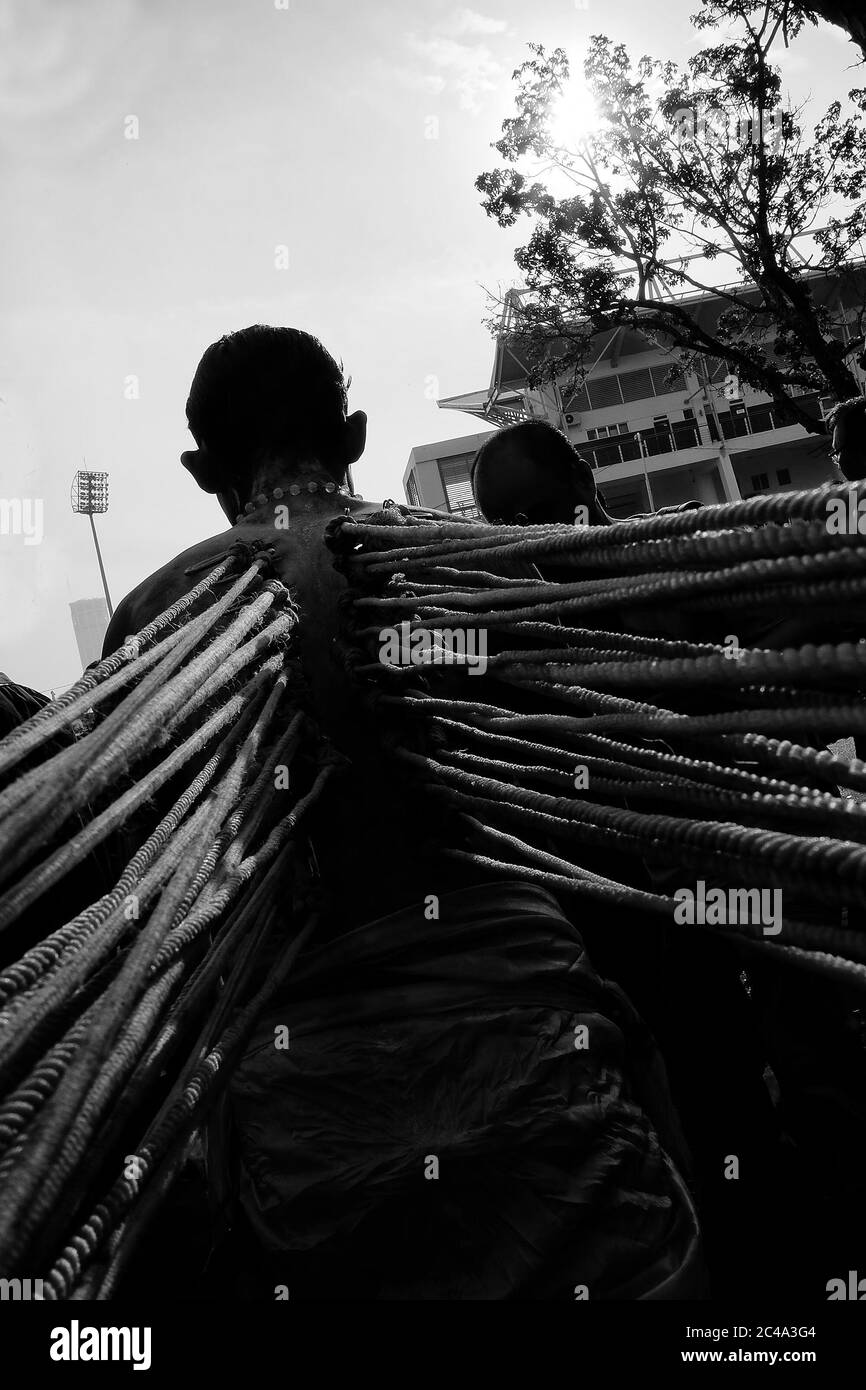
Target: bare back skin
pixel 303 563
pixel 369 832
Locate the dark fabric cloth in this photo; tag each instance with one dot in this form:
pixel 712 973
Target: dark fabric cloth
pixel 17 703
pixel 413 1039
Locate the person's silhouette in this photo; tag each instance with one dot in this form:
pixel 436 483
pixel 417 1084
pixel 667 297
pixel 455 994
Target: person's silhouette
pixel 530 474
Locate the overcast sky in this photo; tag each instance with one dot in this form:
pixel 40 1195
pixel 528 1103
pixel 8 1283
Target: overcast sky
pixel 258 127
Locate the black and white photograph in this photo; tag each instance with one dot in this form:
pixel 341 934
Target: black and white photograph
pixel 432 679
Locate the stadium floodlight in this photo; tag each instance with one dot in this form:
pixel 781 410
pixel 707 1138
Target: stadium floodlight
pixel 90 495
pixel 90 492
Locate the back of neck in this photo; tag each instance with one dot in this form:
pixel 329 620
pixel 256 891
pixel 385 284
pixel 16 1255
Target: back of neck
pixel 282 470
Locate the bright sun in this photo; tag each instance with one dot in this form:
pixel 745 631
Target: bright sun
pixel 573 116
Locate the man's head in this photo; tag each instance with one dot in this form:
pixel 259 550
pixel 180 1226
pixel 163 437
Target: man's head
pixel 847 423
pixel 263 394
pixel 530 473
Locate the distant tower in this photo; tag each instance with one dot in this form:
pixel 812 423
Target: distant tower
pixel 89 495
pixel 90 621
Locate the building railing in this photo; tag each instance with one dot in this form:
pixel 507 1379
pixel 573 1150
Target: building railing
pixel 672 436
pixel 741 419
pixel 642 443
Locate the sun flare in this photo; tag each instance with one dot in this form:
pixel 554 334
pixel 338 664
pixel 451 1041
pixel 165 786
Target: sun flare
pixel 574 116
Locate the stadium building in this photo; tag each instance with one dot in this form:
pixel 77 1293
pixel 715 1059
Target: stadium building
pixel 655 435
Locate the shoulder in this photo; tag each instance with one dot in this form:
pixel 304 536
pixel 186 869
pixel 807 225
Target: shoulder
pixel 149 598
pixel 395 510
pixel 431 514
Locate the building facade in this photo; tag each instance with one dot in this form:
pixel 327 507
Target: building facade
pixel 654 434
pixel 437 475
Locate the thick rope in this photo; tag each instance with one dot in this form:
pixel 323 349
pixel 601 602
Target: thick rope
pixel 97 682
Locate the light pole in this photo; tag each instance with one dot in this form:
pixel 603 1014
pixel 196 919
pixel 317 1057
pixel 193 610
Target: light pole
pixel 729 478
pixel 643 455
pixel 90 495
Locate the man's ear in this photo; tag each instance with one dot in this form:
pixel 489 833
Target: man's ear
pixel 208 473
pixel 355 435
pixel 193 463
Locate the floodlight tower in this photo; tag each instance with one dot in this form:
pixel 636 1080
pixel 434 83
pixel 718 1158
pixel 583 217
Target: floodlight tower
pixel 90 495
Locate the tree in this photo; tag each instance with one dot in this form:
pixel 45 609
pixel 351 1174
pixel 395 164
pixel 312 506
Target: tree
pixel 846 14
pixel 684 167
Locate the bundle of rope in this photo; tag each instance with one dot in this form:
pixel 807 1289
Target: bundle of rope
pixel 124 1011
pixel 617 713
pixel 655 694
